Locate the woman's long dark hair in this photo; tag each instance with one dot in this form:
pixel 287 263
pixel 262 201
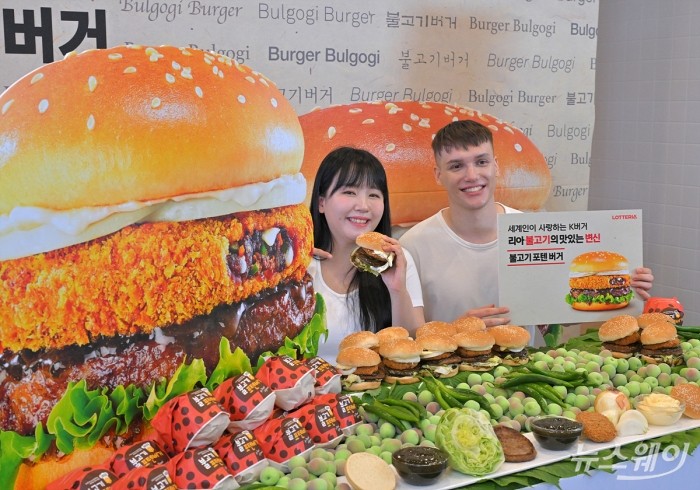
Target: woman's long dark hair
pixel 353 167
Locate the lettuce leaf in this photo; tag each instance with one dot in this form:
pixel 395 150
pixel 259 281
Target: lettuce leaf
pixel 82 417
pixel 230 364
pixel 468 438
pixel 600 298
pixel 185 378
pixel 15 448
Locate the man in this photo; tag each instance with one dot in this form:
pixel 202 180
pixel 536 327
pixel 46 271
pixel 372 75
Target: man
pixel 456 249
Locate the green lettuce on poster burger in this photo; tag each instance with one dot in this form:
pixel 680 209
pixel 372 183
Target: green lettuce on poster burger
pixel 151 240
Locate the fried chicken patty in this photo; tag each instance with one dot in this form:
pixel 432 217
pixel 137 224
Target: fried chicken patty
pixel 31 383
pixel 148 275
pixel 599 281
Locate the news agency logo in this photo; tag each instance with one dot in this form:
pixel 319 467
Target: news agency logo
pixel 642 466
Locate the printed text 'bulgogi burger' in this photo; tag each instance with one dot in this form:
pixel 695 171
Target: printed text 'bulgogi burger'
pixel 149 207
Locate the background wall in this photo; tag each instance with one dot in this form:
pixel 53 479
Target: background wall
pixel 646 143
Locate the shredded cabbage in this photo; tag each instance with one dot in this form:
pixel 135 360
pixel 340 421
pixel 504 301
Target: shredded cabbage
pixel 468 438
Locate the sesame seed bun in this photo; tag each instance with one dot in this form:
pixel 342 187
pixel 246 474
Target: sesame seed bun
pixel 510 336
pixel 658 332
pixel 401 350
pixel 372 240
pixel 599 261
pixel 468 324
pixel 689 393
pixel 389 334
pixel 111 105
pixel 364 339
pixel 476 340
pixel 617 327
pixel 646 319
pixel 400 135
pixel 434 344
pixel 357 357
pixel 435 327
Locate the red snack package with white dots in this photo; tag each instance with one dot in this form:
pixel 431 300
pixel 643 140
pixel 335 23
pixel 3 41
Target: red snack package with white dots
pixel 319 421
pixel 346 411
pixel 248 401
pixel 327 376
pixel 194 419
pixel 201 468
pixel 141 454
pixel 283 438
pixel 291 380
pixel 153 478
pixel 242 456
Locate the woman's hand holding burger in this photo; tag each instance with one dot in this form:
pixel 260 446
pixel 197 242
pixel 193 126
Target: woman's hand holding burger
pixel 394 277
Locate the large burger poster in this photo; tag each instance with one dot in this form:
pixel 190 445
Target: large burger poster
pixel 152 240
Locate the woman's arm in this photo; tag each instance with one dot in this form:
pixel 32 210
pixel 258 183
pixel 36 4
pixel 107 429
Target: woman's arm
pixel 403 311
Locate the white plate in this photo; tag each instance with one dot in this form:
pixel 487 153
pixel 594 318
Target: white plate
pixel 453 479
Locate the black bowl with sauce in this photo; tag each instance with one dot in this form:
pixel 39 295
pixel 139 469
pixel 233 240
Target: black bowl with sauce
pixel 556 433
pixel 419 465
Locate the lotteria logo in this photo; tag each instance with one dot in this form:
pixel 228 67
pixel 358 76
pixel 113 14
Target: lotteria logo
pixel 624 216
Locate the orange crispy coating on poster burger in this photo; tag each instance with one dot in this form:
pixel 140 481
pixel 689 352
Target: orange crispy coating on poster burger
pixel 139 278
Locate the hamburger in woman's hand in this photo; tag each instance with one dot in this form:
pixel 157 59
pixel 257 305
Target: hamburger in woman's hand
pixel 369 256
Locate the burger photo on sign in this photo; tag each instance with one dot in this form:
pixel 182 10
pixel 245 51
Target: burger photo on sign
pixel 152 239
pixel 599 280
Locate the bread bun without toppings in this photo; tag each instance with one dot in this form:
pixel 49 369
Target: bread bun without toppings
pixel 689 393
pixel 400 134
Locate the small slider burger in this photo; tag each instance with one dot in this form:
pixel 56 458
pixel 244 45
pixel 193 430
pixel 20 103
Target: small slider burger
pixel 389 334
pixel 360 369
pixel 510 344
pixel 438 355
pixel 646 319
pixel 364 338
pixel 475 349
pixel 369 256
pixel 599 281
pixel 660 344
pixel 436 327
pixel 469 324
pixel 401 359
pixel 620 335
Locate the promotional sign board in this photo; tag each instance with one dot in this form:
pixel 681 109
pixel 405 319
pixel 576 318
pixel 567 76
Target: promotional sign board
pixel 569 267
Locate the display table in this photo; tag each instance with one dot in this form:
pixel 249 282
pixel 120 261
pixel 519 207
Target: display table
pixel 653 466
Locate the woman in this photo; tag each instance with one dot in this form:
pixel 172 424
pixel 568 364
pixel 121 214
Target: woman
pixel 350 197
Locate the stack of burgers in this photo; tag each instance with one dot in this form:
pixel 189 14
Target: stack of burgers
pixel 441 349
pixel 651 336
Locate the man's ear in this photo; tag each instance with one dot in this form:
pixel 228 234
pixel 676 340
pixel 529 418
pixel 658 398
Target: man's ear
pixel 498 170
pixel 436 172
